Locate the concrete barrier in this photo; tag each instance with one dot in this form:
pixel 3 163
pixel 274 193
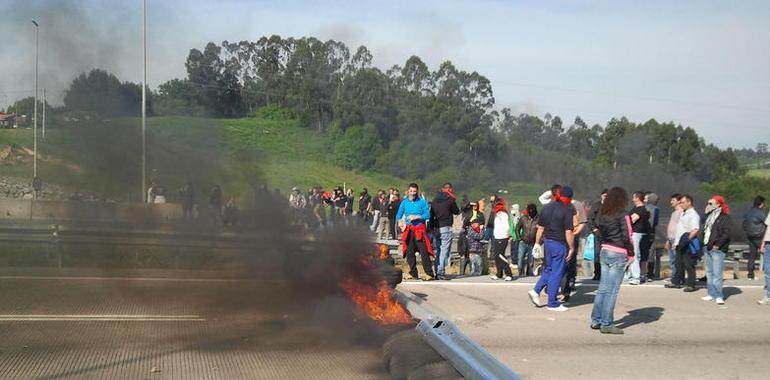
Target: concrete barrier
pixel 107 212
pixel 15 209
pixel 60 210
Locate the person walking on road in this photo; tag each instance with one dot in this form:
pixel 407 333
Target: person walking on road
pixel 413 213
pixel 555 225
pixel 613 233
pixel 686 249
pixel 716 235
pixel 754 226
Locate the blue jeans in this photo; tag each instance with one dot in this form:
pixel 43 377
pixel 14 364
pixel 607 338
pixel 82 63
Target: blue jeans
pixel 524 259
pixel 715 266
pixel 555 266
pixel 613 266
pixel 766 267
pixel 444 242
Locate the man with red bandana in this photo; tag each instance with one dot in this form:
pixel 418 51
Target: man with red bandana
pixel 413 213
pixel 555 225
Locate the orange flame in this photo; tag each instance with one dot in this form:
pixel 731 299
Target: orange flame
pixel 383 251
pixel 377 302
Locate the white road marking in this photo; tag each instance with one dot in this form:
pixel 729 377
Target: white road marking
pixel 531 284
pixel 100 317
pixel 68 278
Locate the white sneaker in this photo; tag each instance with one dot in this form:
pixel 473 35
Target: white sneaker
pixel 720 301
pixel 764 301
pixel 707 298
pixel 508 278
pixel 493 277
pixel 633 282
pixel 535 297
pixel 560 308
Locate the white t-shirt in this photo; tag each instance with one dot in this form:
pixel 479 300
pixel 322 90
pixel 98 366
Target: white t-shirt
pixel 690 220
pixel 502 229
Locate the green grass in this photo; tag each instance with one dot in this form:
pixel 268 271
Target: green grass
pixel 759 173
pixel 239 154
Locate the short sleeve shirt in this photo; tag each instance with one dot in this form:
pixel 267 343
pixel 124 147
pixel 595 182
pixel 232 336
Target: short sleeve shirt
pixel 642 225
pixel 556 218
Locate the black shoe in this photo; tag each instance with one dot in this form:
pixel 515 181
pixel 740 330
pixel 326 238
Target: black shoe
pixel 565 298
pixel 690 289
pixel 442 277
pixel 595 327
pixel 751 276
pixel 702 279
pixel 596 279
pixel 672 286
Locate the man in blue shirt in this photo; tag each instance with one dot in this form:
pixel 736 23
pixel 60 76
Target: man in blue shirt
pixel 555 224
pixel 413 213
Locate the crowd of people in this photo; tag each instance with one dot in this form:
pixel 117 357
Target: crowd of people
pixel 614 237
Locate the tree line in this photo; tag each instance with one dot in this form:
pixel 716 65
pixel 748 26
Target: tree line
pixel 408 120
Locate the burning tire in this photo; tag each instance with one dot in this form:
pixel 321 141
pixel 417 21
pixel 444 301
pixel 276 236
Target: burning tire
pixel 406 351
pixel 434 371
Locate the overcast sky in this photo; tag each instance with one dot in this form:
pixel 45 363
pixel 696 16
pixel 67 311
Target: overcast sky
pixel 705 64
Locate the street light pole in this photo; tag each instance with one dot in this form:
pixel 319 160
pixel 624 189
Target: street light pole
pixel 34 144
pixel 43 113
pixel 144 102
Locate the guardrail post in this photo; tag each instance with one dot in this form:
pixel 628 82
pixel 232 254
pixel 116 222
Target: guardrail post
pixel 737 256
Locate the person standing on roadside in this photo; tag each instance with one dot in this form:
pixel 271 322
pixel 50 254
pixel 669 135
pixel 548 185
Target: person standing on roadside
pixel 595 208
pixel 413 213
pixel 716 235
pixel 613 234
pixel 754 226
pixel 364 206
pixel 444 207
pixel 393 205
pixel 687 230
pixel 640 222
pixel 555 227
pixel 501 235
pixel 671 238
pixel 187 193
pixel 765 249
pixel 651 266
pixel 527 231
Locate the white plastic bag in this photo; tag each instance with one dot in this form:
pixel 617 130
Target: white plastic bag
pixel 537 251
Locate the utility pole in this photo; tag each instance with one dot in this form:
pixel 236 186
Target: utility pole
pixel 144 102
pixel 34 133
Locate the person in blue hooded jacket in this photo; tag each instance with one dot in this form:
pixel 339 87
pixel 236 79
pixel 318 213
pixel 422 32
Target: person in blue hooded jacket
pixel 413 213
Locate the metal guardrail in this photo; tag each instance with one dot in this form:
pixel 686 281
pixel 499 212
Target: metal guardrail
pixel 465 355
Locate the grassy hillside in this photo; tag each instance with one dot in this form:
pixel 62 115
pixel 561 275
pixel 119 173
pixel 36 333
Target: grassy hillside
pixel 241 155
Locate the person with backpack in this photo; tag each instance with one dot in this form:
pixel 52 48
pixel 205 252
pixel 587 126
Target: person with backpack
pixel 526 231
pixel 754 226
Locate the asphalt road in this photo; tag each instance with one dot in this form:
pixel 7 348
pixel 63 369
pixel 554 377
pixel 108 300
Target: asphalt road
pixel 668 333
pixel 154 326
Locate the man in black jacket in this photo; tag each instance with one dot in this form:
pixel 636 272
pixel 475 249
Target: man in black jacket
pixel 754 226
pixel 443 209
